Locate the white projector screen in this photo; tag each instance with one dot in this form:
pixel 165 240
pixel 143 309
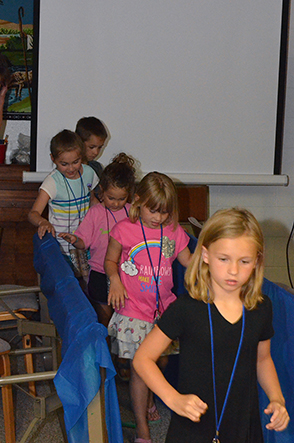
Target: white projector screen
pixel 184 86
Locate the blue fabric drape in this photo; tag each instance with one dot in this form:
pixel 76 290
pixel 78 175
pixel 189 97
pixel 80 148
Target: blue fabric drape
pixel 282 350
pixel 179 270
pixel 84 348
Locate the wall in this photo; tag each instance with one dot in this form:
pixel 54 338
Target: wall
pixel 208 69
pixel 272 206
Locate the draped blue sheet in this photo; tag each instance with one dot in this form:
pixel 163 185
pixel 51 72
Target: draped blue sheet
pixel 282 350
pixel 84 348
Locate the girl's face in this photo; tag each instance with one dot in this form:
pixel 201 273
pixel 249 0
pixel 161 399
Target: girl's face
pixel 115 198
pixel 152 218
pixel 93 146
pixel 231 262
pixel 69 163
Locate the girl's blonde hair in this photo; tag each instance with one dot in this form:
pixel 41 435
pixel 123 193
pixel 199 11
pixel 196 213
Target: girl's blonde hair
pixel 157 192
pixel 226 223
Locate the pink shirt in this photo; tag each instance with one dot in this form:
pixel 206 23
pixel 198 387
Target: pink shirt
pixel 136 271
pixel 94 231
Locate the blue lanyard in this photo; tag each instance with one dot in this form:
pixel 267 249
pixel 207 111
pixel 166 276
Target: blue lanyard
pixel 156 277
pixel 218 421
pixel 113 216
pixel 82 194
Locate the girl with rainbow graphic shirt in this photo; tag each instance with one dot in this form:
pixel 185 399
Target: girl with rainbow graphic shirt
pixel 138 263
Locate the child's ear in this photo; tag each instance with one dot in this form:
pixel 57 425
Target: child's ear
pixel 204 254
pixel 52 158
pixel 100 191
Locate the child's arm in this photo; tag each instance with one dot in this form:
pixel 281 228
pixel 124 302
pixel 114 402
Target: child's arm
pixel 72 239
pixel 268 380
pixel 117 291
pixel 184 257
pixel 144 362
pixel 35 215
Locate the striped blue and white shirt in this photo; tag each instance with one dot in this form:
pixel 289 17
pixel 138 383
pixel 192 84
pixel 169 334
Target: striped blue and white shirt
pixel 69 201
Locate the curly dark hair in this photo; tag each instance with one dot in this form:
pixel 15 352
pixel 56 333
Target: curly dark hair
pixel 120 173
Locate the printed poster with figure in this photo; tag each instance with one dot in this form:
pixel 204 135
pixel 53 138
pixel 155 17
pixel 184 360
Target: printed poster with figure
pixel 16 53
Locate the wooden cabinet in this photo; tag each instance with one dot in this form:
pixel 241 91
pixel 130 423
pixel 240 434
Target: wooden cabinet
pixel 16 250
pixel 193 202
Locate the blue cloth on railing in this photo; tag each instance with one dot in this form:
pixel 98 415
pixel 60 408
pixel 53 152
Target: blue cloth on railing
pixel 179 270
pixel 282 350
pixel 84 348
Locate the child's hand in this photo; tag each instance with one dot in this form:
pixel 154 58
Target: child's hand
pixel 189 406
pixel 117 294
pixel 67 236
pixel 280 418
pixel 45 226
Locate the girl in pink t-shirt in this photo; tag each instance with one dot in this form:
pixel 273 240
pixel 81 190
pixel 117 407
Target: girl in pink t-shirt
pixel 116 187
pixel 138 263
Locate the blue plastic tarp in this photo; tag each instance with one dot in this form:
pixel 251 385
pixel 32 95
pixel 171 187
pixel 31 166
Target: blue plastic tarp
pixel 84 348
pixel 282 350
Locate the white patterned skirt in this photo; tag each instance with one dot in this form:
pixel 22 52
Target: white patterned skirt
pixel 127 333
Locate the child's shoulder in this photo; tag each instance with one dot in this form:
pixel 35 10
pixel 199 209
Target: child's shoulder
pixel 186 301
pixel 125 223
pixel 87 170
pixel 124 229
pixel 89 177
pixel 52 173
pixel 50 179
pixel 263 310
pixel 266 303
pixel 186 309
pixel 176 233
pixel 175 228
pixel 98 208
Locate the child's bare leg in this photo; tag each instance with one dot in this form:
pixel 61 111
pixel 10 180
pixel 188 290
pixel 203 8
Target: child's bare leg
pixel 152 413
pixel 150 402
pixel 104 313
pixel 139 397
pixel 162 362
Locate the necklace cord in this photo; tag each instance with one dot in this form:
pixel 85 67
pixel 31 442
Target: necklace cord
pixel 82 199
pixel 218 422
pixel 107 220
pixel 156 278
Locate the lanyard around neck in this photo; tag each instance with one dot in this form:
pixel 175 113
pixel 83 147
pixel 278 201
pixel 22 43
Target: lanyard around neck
pixel 106 212
pixel 218 421
pixel 79 208
pixel 113 216
pixel 156 277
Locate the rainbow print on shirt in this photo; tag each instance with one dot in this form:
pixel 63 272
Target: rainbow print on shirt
pixel 168 249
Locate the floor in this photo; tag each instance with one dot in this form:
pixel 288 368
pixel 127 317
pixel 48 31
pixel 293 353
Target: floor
pixel 157 430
